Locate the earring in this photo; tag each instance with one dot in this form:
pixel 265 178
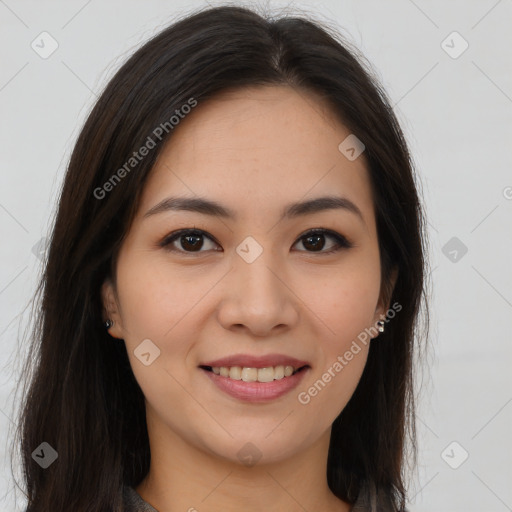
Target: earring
pixel 109 323
pixel 380 323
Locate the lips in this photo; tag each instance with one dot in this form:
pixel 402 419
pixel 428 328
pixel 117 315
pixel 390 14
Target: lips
pixel 256 392
pixel 235 375
pixel 248 361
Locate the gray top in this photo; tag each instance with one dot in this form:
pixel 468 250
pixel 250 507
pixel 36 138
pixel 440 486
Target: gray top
pixel 367 502
pixel 133 501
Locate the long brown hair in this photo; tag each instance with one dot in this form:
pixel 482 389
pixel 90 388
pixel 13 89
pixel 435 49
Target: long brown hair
pixel 80 395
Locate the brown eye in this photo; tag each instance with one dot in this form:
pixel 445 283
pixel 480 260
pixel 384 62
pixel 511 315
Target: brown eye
pixel 315 241
pixel 191 242
pixel 187 240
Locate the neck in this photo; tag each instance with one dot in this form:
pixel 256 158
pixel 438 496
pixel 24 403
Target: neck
pixel 184 477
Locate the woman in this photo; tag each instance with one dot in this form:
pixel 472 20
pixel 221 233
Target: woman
pixel 231 294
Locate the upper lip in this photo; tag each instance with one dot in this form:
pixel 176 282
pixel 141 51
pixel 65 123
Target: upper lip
pixel 248 361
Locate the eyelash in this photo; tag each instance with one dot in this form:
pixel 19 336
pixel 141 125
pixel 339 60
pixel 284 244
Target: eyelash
pixel 341 241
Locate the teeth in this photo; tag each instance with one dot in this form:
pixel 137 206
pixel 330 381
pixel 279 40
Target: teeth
pixel 235 372
pixel 255 374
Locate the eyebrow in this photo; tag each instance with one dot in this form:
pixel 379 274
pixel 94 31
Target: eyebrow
pixel 290 211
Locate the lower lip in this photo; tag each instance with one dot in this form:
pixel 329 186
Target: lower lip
pixel 256 391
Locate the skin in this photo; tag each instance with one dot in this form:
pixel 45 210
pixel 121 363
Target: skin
pixel 253 151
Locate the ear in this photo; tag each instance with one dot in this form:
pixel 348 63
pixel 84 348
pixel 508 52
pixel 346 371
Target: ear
pixel 385 296
pixel 111 309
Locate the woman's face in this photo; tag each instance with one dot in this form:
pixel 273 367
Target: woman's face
pixel 253 283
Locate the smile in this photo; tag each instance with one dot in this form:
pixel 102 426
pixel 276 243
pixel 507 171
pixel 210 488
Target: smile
pixel 255 384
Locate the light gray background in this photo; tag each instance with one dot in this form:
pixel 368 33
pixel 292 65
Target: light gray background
pixel 456 113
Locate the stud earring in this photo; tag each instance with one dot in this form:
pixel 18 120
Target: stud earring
pixel 109 323
pixel 380 323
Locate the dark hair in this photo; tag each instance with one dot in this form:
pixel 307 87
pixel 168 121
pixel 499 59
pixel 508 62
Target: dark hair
pixel 80 395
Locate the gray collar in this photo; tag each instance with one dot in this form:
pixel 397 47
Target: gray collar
pixel 133 502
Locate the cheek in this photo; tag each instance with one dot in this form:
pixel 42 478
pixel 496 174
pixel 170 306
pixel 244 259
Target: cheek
pixel 154 300
pixel 344 299
pixel 158 307
pixel 346 306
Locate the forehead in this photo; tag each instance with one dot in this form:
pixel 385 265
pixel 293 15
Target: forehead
pixel 256 147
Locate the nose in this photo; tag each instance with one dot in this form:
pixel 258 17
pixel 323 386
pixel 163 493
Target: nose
pixel 257 298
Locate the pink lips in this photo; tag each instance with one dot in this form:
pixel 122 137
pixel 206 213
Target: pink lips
pixel 256 391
